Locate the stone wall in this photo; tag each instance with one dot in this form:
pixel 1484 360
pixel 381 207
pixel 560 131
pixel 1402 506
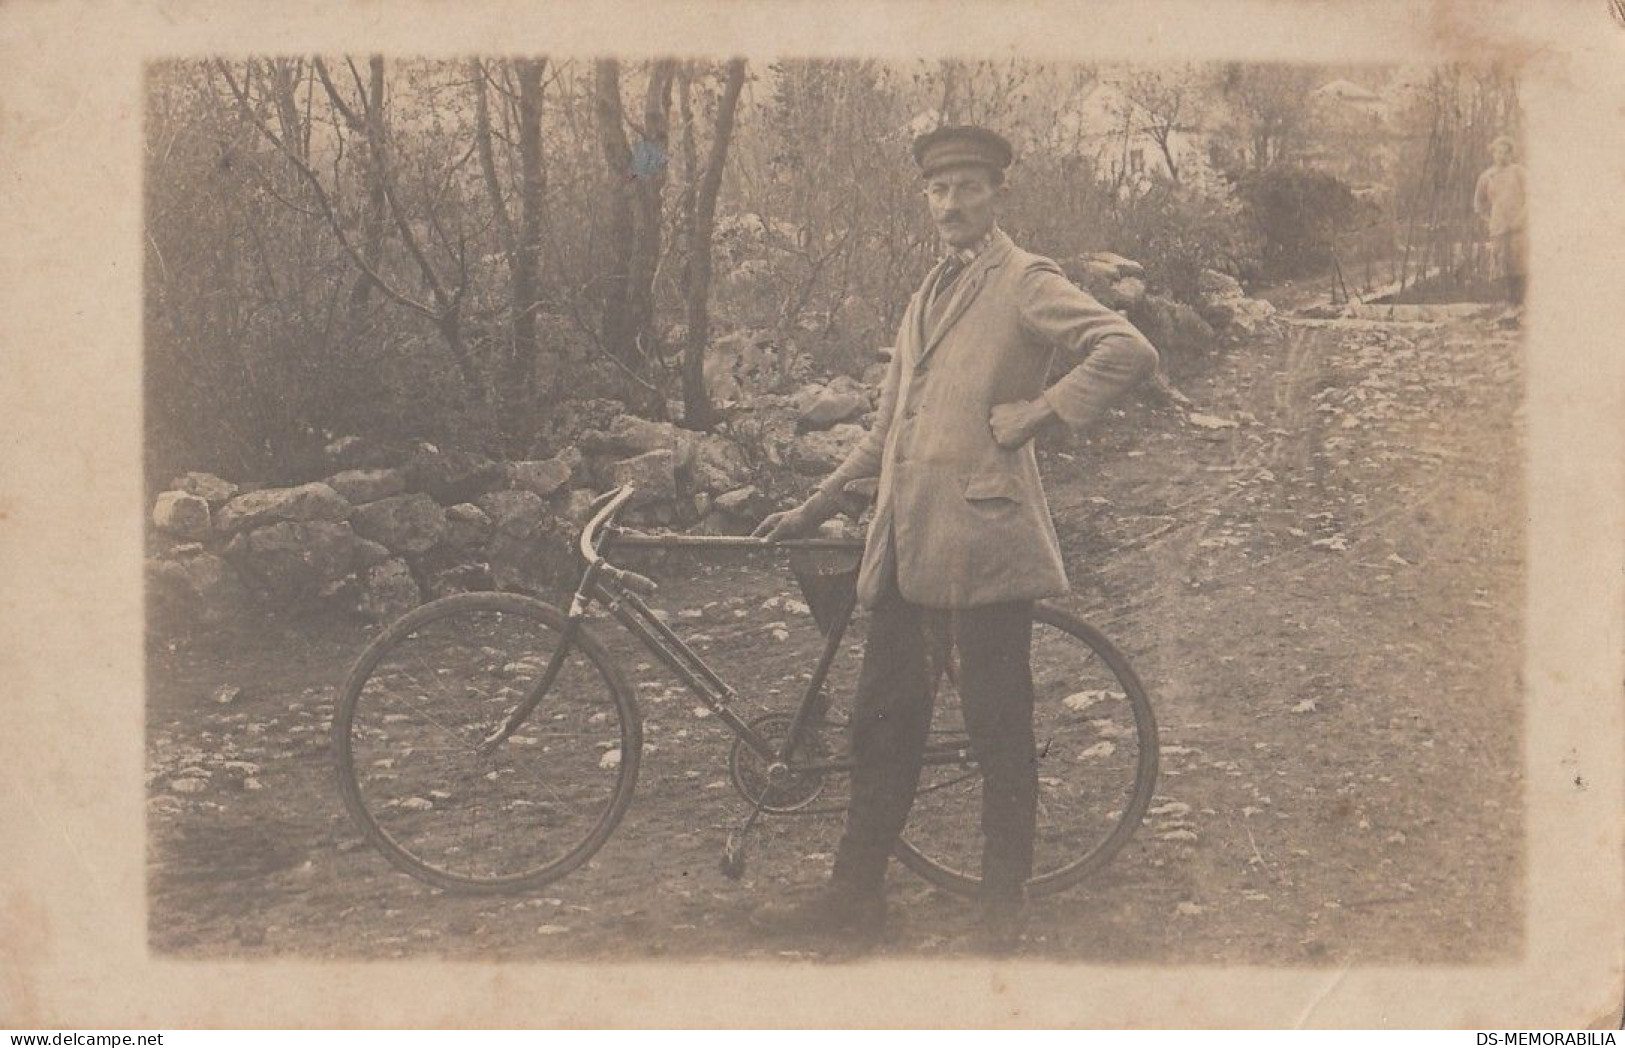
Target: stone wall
pixel 385 531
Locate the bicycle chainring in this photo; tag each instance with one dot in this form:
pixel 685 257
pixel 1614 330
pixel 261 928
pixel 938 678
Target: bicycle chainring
pixel 792 790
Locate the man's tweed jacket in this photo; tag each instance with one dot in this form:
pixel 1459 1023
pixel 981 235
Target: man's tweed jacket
pixel 967 519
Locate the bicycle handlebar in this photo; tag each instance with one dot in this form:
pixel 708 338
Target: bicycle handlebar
pixel 589 547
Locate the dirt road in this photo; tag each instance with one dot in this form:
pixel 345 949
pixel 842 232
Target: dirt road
pixel 1318 575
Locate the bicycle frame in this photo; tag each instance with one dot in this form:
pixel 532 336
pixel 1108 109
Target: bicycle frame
pixel 620 592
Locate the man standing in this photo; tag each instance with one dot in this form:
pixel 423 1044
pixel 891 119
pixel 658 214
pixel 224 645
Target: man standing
pixel 961 532
pixel 1499 200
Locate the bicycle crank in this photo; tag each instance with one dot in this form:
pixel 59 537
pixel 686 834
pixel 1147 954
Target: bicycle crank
pixel 778 787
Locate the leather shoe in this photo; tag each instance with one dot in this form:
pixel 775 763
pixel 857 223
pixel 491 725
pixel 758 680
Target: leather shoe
pixel 1002 924
pixel 833 910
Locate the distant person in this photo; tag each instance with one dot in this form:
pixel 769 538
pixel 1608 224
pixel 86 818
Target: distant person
pixel 1499 200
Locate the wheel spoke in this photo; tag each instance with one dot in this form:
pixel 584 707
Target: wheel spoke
pixel 1095 774
pixel 524 813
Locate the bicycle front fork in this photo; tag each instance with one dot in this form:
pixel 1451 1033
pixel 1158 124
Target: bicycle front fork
pixel 533 698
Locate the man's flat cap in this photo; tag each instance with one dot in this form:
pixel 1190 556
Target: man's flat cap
pixel 961 144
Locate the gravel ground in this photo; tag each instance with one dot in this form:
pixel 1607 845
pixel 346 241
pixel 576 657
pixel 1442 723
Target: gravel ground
pixel 1318 575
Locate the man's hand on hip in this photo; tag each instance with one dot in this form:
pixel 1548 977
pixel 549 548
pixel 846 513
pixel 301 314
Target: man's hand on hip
pixel 1016 423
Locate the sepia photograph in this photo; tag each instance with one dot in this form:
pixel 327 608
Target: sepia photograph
pixel 774 515
pixel 512 431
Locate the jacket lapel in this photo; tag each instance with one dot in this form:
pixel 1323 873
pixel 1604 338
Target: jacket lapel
pixel 922 309
pixel 965 291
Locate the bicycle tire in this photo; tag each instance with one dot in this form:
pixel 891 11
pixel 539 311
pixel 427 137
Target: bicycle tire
pixel 537 806
pixel 1082 735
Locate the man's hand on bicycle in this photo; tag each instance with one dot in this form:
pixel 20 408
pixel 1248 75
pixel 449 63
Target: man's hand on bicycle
pixel 799 522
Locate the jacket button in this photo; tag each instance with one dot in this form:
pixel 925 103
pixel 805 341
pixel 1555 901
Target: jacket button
pixel 911 412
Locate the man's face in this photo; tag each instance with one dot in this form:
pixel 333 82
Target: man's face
pixel 1501 153
pixel 964 203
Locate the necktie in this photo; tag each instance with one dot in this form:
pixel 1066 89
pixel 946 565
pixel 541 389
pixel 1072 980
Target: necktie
pixel 939 297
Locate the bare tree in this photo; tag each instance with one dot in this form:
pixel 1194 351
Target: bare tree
pixel 443 309
pixel 1271 105
pixel 1161 102
pixel 521 240
pixel 633 184
pixel 700 221
pixel 366 121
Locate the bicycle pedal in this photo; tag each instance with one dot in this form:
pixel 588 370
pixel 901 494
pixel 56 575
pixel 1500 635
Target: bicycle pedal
pixel 733 862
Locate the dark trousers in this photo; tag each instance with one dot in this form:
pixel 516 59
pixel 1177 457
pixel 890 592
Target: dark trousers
pixel 892 715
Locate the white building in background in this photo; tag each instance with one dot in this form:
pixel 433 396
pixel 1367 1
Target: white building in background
pixel 1114 133
pixel 1353 138
pixel 1350 96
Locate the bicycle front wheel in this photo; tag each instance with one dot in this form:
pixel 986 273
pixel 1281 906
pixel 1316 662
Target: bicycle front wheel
pixel 417 775
pixel 1097 766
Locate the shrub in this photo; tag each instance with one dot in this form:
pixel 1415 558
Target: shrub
pixel 1177 232
pixel 1299 212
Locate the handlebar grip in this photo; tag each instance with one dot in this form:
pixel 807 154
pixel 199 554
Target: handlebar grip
pixel 639 584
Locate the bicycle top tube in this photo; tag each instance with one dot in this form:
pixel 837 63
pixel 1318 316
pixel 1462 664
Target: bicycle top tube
pixel 602 532
pixel 626 538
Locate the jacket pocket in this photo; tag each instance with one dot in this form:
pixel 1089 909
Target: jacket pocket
pixel 993 487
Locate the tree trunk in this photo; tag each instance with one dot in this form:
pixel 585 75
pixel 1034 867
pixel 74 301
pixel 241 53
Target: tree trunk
pixel 284 75
pixel 650 171
pixel 372 226
pixel 615 274
pixel 698 411
pixel 528 246
pixel 450 327
pixel 633 186
pixel 521 243
pixel 1165 144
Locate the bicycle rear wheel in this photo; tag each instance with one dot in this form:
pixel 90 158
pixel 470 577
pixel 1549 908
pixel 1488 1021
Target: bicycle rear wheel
pixel 1097 766
pixel 427 693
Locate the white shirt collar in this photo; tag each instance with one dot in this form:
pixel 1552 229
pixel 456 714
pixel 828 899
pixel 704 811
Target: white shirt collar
pixel 967 255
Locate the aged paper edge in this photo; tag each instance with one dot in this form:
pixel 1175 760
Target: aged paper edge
pixel 72 906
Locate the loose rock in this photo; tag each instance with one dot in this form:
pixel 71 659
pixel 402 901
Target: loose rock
pixel 514 513
pixel 815 454
pixel 388 591
pixel 206 486
pixel 463 578
pixel 742 502
pixel 467 527
pixel 577 508
pixel 652 474
pixel 304 503
pixel 450 477
pixel 293 559
pixel 195 586
pixel 831 405
pixel 404 523
pixel 368 553
pixel 367 485
pixel 542 476
pixel 182 515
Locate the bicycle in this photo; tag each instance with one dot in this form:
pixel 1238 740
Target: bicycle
pixel 509 767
